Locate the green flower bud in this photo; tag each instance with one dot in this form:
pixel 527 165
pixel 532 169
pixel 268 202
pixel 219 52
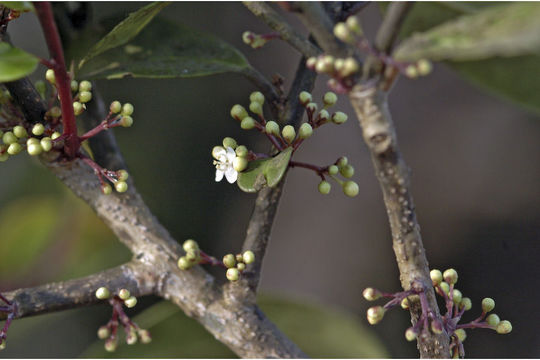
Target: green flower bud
pixel 238 112
pixel 103 332
pixel 55 112
pixel 445 287
pixel 131 338
pixel 342 33
pixel 311 62
pixel 32 140
pixel 305 131
pixel 488 304
pixel 247 37
pixel 333 170
pixel 424 67
pixel 339 117
pixel 330 98
pixel 85 96
pixel 184 263
pixel 450 276
pixel 106 189
pixel 229 142
pixel 350 188
pixel 411 71
pixel 342 161
pixel 323 116
pixel 347 171
pixel 239 258
pixel 126 121
pixel 34 149
pixel 145 337
pixel 311 107
pixel 350 66
pixel 436 277
pixel 3 344
pixel 324 187
pixel 504 327
pixel 249 257
pixel 20 132
pixel 121 186
pixel 3 154
pixel 375 314
pixel 9 138
pixel 85 85
pixel 256 96
pixel 465 303
pixel 247 123
pixel 38 129
pixel 190 245
pixel 461 334
pixel 339 65
pixel 240 163
pixel 241 266
pixel 256 108
pixel 493 319
pixel 124 294
pixel 115 107
pixel 49 76
pixel 233 274
pixel 103 293
pixel 410 335
pixel 41 88
pixel 242 151
pixel 122 175
pixel 127 109
pixel 371 294
pixel 272 127
pixel 55 135
pixel 130 302
pixel 404 304
pixel 457 296
pixel 288 133
pixel 111 344
pixel 14 149
pixel 436 327
pixel 193 256
pixel 353 24
pixel 325 64
pixel 74 85
pixel 304 98
pixel 229 261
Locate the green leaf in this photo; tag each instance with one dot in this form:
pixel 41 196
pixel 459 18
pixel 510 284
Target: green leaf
pixel 507 30
pixel 167 50
pixel 264 172
pixel 15 63
pixel 22 6
pixel 126 30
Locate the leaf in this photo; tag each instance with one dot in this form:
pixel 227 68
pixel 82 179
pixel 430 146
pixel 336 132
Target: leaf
pixel 507 30
pixel 15 63
pixel 22 6
pixel 264 172
pixel 126 30
pixel 167 50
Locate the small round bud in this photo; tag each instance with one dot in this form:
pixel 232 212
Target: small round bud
pixel 410 335
pixel 131 338
pixel 239 258
pixel 411 71
pixel 457 296
pixel 233 274
pixel 103 293
pixel 49 76
pixel 240 163
pixel 304 98
pixel 504 327
pixel 127 109
pixel 404 304
pixel 3 344
pixel 445 287
pixel 493 319
pixel 9 138
pixel 347 171
pixel 184 263
pixel 85 96
pixel 329 98
pixel 256 108
pixel 350 188
pixel 121 186
pixel 229 261
pixel 145 337
pixel 55 135
pixel 122 175
pixel 32 140
pixel 311 62
pixel 247 123
pixel 20 132
pixel 324 187
pixel 350 66
pixel 238 112
pixel 371 294
pixel 111 345
pixel 450 276
pixel 272 127
pixel 130 302
pixel 78 108
pixel 256 96
pixel 488 304
pixel 247 37
pixel 106 189
pixel 436 277
pixel 115 107
pixel 305 131
pixel 124 294
pixel 325 64
pixel 339 117
pixel 85 85
pixel 41 87
pixel 333 170
pixel 193 256
pixel 3 154
pixel 465 303
pixel 103 332
pixel 424 67
pixel 311 107
pixel 55 112
pixel 288 133
pixel 229 142
pixel 436 327
pixel 342 161
pixel 375 314
pixel 14 149
pixel 241 266
pixel 34 149
pixel 342 33
pixel 74 85
pixel 126 121
pixel 190 245
pixel 353 24
pixel 339 64
pixel 38 129
pixel 241 151
pixel 323 116
pixel 461 334
pixel 248 256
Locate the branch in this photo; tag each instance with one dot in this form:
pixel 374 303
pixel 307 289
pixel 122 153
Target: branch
pixel 389 29
pixel 134 276
pixel 281 26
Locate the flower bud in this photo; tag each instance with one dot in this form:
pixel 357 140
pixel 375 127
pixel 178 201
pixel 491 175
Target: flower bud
pixel 229 261
pixel 305 131
pixel 115 107
pixel 249 257
pixel 131 338
pixel 353 24
pixel 465 303
pixel 49 76
pixel 106 189
pixel 55 112
pixel 103 293
pixel 32 140
pixel 103 332
pixel 410 334
pixel 339 117
pixel 450 276
pixel 247 123
pixel 40 87
pixel 239 258
pixel 411 71
pixel 504 327
pixel 436 277
pixel 324 187
pixel 46 144
pixel 256 108
pixel 457 296
pixel 130 302
pixel 488 304
pixel 184 263
pixel 493 319
pixel 34 149
pixel 461 334
pixel 3 344
pixel 3 155
pixel 233 274
pixel 145 337
pixel 347 171
pixel 445 288
pixel 85 85
pixel 190 245
pixel 78 108
pixel 229 142
pixel 14 149
pixel 404 304
pixel 272 127
pixel 305 98
pixel 311 107
pixel 241 266
pixel 124 294
pixel 85 96
pixel 247 37
pixel 288 133
pixel 323 116
pixel 333 170
pixel 375 314
pixel 74 85
pixel 55 135
pixel 342 161
pixel 342 33
pixel 350 66
pixel 238 112
pixel 111 345
pixel 127 109
pixel 20 132
pixel 240 163
pixel 193 256
pixel 371 294
pixel 350 188
pixel 436 327
pixel 330 98
pixel 122 174
pixel 311 62
pixel 256 96
pixel 424 67
pixel 121 186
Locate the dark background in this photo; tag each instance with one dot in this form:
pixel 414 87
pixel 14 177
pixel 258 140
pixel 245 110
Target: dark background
pixel 475 163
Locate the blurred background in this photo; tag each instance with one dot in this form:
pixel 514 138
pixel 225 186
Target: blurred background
pixel 475 161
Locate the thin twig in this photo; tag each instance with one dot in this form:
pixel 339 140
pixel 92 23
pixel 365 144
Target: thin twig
pixel 262 83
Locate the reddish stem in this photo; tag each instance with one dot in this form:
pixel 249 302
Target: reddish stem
pixel 319 170
pixel 63 80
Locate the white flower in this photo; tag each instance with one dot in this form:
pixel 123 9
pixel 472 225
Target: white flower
pixel 224 163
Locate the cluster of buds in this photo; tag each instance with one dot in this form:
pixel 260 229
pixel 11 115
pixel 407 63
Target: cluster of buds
pixel 109 332
pixel 235 264
pixel 36 139
pixel 342 71
pixel 257 41
pixel 9 309
pixel 456 305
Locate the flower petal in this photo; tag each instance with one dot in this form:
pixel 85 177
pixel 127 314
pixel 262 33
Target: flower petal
pixel 219 175
pixel 217 151
pixel 231 175
pixel 231 154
